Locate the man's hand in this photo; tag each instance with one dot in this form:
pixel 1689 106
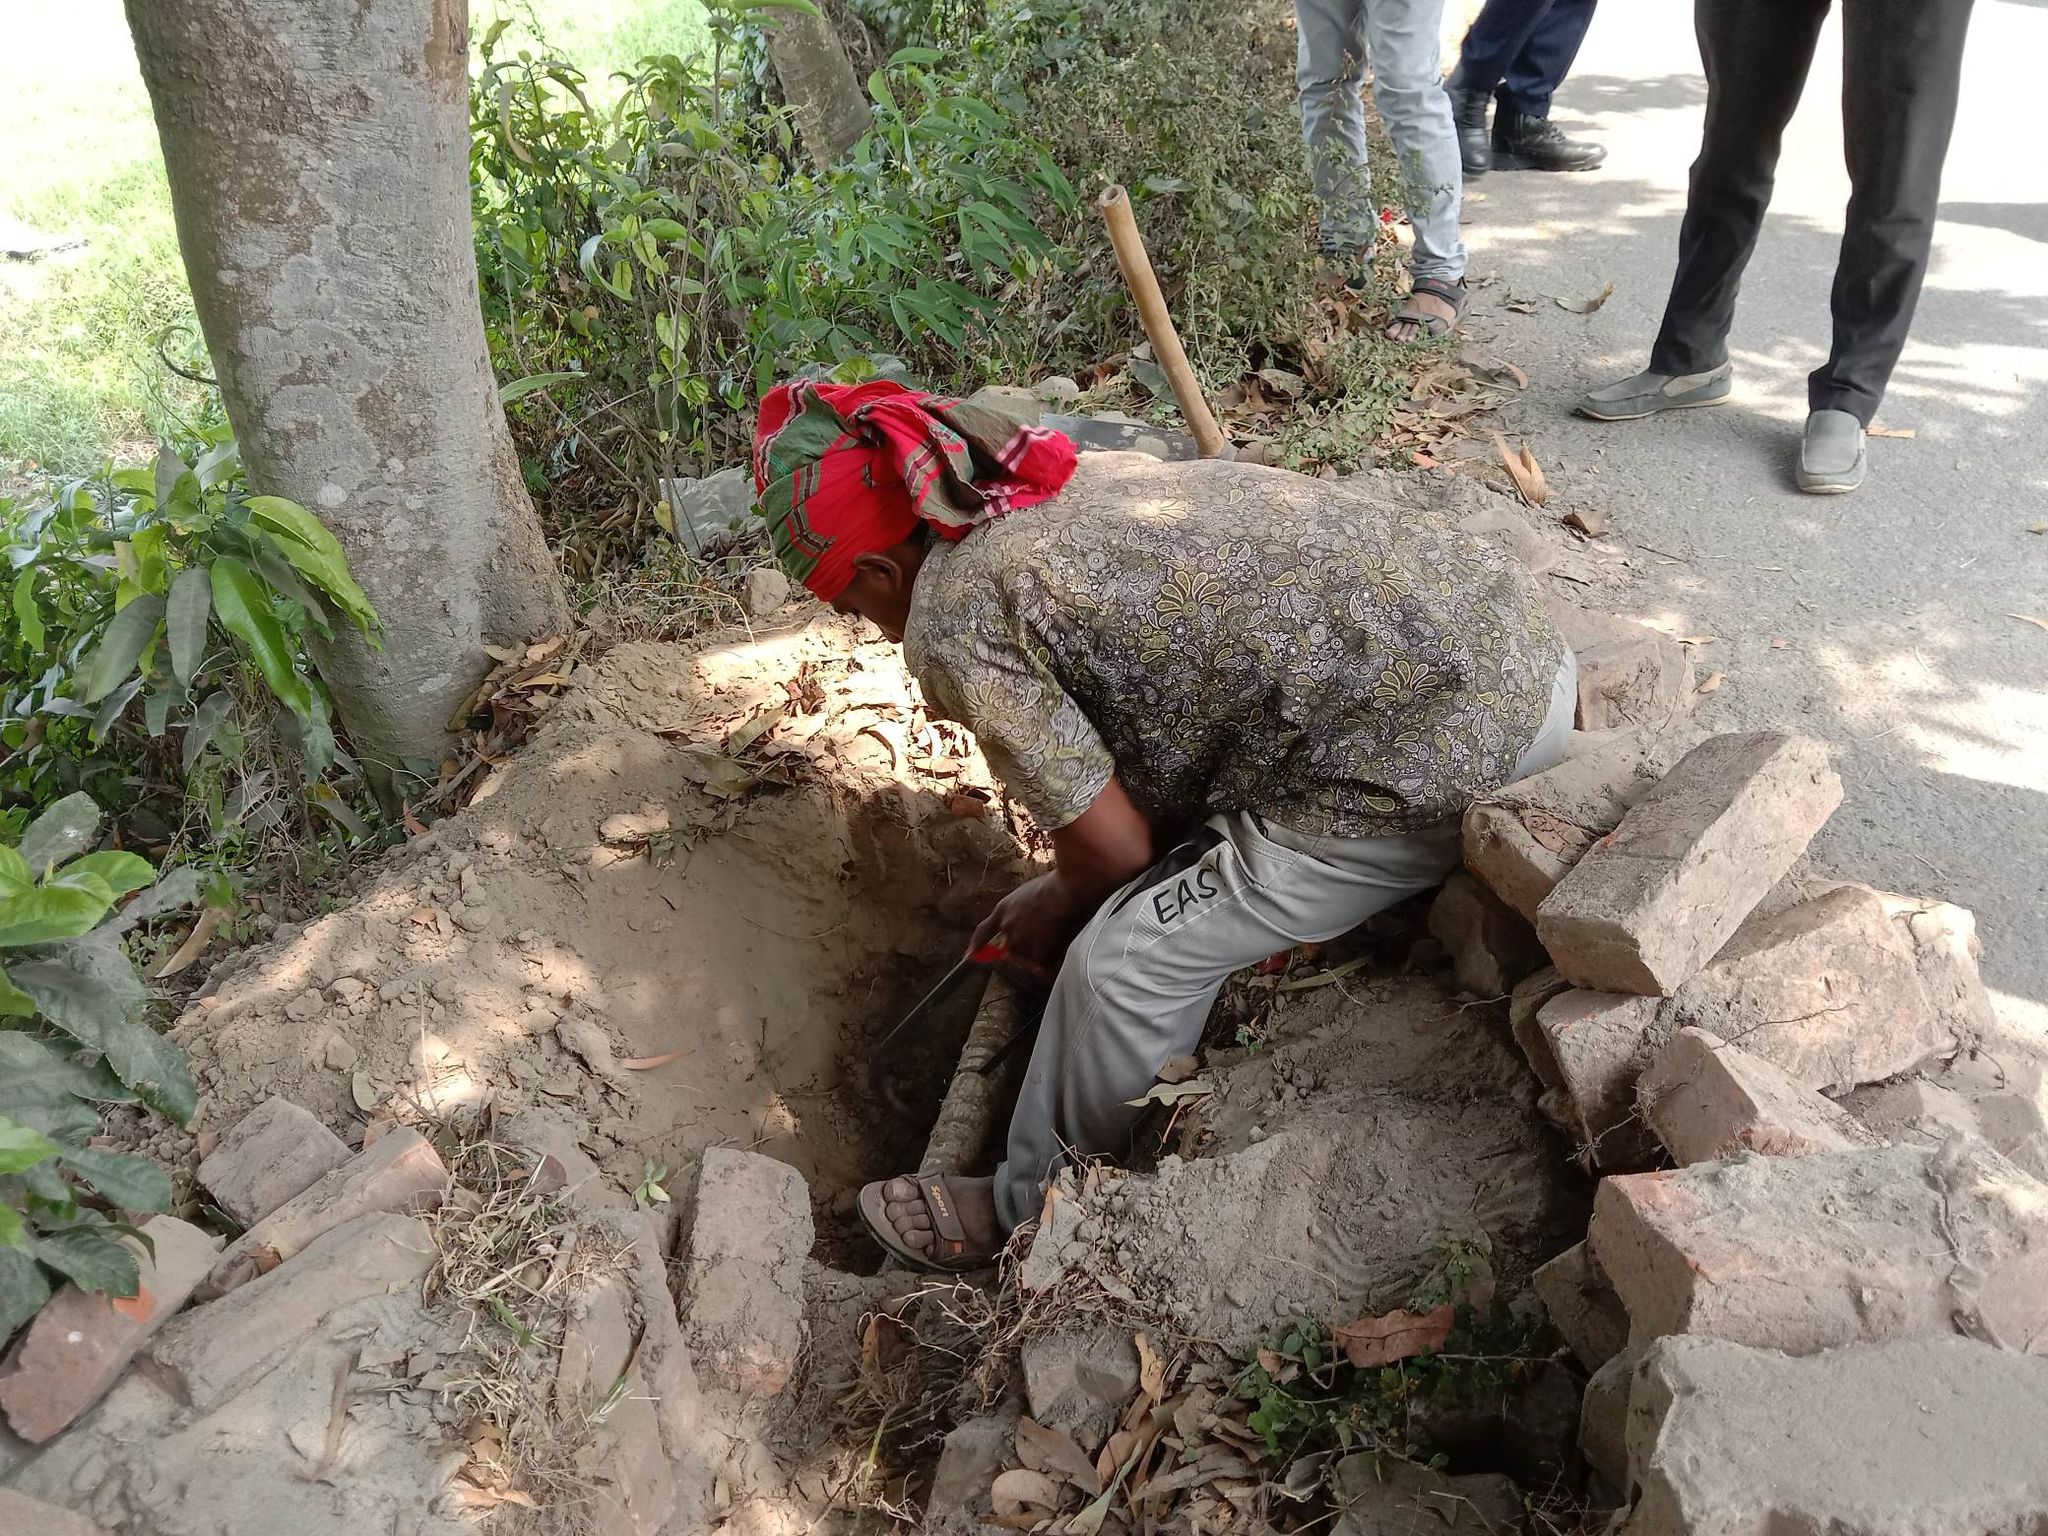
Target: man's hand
pixel 1036 921
pixel 1093 855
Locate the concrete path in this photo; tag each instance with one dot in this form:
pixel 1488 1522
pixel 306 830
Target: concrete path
pixel 1879 620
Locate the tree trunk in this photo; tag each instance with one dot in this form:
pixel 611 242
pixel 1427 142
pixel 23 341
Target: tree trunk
pixel 318 159
pixel 819 84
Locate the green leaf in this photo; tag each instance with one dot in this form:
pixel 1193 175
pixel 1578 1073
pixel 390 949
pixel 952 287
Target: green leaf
pixel 170 469
pixel 113 706
pixel 916 56
pixel 148 549
pixel 534 383
pixel 23 1286
pixel 26 613
pixel 91 1257
pixel 244 608
pixel 185 622
pixel 123 872
pixel 114 658
pixel 878 87
pixel 14 1003
pixel 15 874
pixel 206 721
pixel 156 711
pixel 84 992
pixel 304 540
pixel 62 832
pixel 50 912
pixel 43 1084
pixel 133 1183
pixel 11 1237
pixel 21 1148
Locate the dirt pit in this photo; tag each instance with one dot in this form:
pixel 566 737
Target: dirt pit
pixel 678 918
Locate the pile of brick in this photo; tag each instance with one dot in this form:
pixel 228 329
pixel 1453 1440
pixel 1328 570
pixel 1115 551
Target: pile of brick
pixel 1815 1288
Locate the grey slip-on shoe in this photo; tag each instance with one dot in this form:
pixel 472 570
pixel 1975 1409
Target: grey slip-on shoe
pixel 1831 455
pixel 1645 394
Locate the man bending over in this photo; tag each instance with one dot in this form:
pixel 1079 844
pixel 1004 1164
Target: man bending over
pixel 1249 707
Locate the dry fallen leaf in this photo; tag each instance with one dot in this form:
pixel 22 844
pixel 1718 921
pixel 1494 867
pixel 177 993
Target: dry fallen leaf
pixel 649 1063
pixel 1020 1489
pixel 2038 528
pixel 1178 1069
pixel 1151 1370
pixel 1523 468
pixel 1521 379
pixel 754 727
pixel 1520 306
pixel 1173 1093
pixel 1373 1341
pixel 1589 521
pixel 1697 639
pixel 1711 683
pixel 195 942
pixel 1053 1452
pixel 1587 306
pixel 1779 642
pixel 2028 618
pixel 1888 432
pixel 364 1091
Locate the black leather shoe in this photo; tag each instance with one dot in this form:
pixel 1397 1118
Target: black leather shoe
pixel 1468 111
pixel 1537 144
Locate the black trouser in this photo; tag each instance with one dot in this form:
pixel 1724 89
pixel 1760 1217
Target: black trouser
pixel 1901 65
pixel 1522 49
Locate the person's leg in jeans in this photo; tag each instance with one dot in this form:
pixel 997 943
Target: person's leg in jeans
pixel 1524 138
pixel 1901 72
pixel 1138 984
pixel 1493 43
pixel 1330 77
pixel 1756 54
pixel 1545 57
pixel 1407 82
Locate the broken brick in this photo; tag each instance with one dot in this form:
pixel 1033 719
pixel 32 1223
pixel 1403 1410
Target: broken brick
pixel 1652 903
pixel 1809 1253
pixel 212 1352
pixel 1603 1418
pixel 32 1517
pixel 272 1153
pixel 399 1172
pixel 80 1342
pixel 1629 674
pixel 1598 1044
pixel 1833 990
pixel 1907 1438
pixel 742 1299
pixel 1829 989
pixel 1707 1099
pixel 1583 1308
pixel 1521 838
pixel 1080 1381
pixel 1491 945
pixel 1525 1003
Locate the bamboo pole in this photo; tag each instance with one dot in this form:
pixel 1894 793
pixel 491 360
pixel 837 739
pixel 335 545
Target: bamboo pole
pixel 1115 205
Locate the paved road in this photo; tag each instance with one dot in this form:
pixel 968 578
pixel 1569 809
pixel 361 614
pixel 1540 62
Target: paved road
pixel 1878 620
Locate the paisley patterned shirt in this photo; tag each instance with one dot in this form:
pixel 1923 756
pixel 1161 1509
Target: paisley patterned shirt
pixel 1227 637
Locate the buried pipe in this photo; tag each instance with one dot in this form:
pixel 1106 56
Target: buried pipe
pixel 1115 204
pixel 960 1134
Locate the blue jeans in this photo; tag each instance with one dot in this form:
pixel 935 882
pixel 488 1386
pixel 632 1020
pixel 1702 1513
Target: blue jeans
pixel 1521 50
pixel 1334 39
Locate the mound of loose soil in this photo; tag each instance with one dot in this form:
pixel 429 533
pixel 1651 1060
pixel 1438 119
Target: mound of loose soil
pixel 671 934
pixel 1378 1120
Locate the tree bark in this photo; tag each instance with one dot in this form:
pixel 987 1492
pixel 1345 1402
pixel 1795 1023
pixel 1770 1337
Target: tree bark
pixel 819 84
pixel 318 160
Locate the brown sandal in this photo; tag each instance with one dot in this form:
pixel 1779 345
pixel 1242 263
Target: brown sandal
pixel 949 1253
pixel 1457 295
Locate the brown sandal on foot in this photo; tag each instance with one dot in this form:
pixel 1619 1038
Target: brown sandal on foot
pixel 1457 295
pixel 950 1252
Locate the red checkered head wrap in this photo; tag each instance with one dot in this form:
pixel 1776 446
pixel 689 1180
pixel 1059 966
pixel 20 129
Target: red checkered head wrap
pixel 844 470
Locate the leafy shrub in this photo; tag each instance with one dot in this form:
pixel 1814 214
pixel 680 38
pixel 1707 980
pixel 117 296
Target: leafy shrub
pixel 143 602
pixel 648 269
pixel 74 1038
pixel 1191 107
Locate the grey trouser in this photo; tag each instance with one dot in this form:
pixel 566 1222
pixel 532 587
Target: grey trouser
pixel 1137 985
pixel 1334 38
